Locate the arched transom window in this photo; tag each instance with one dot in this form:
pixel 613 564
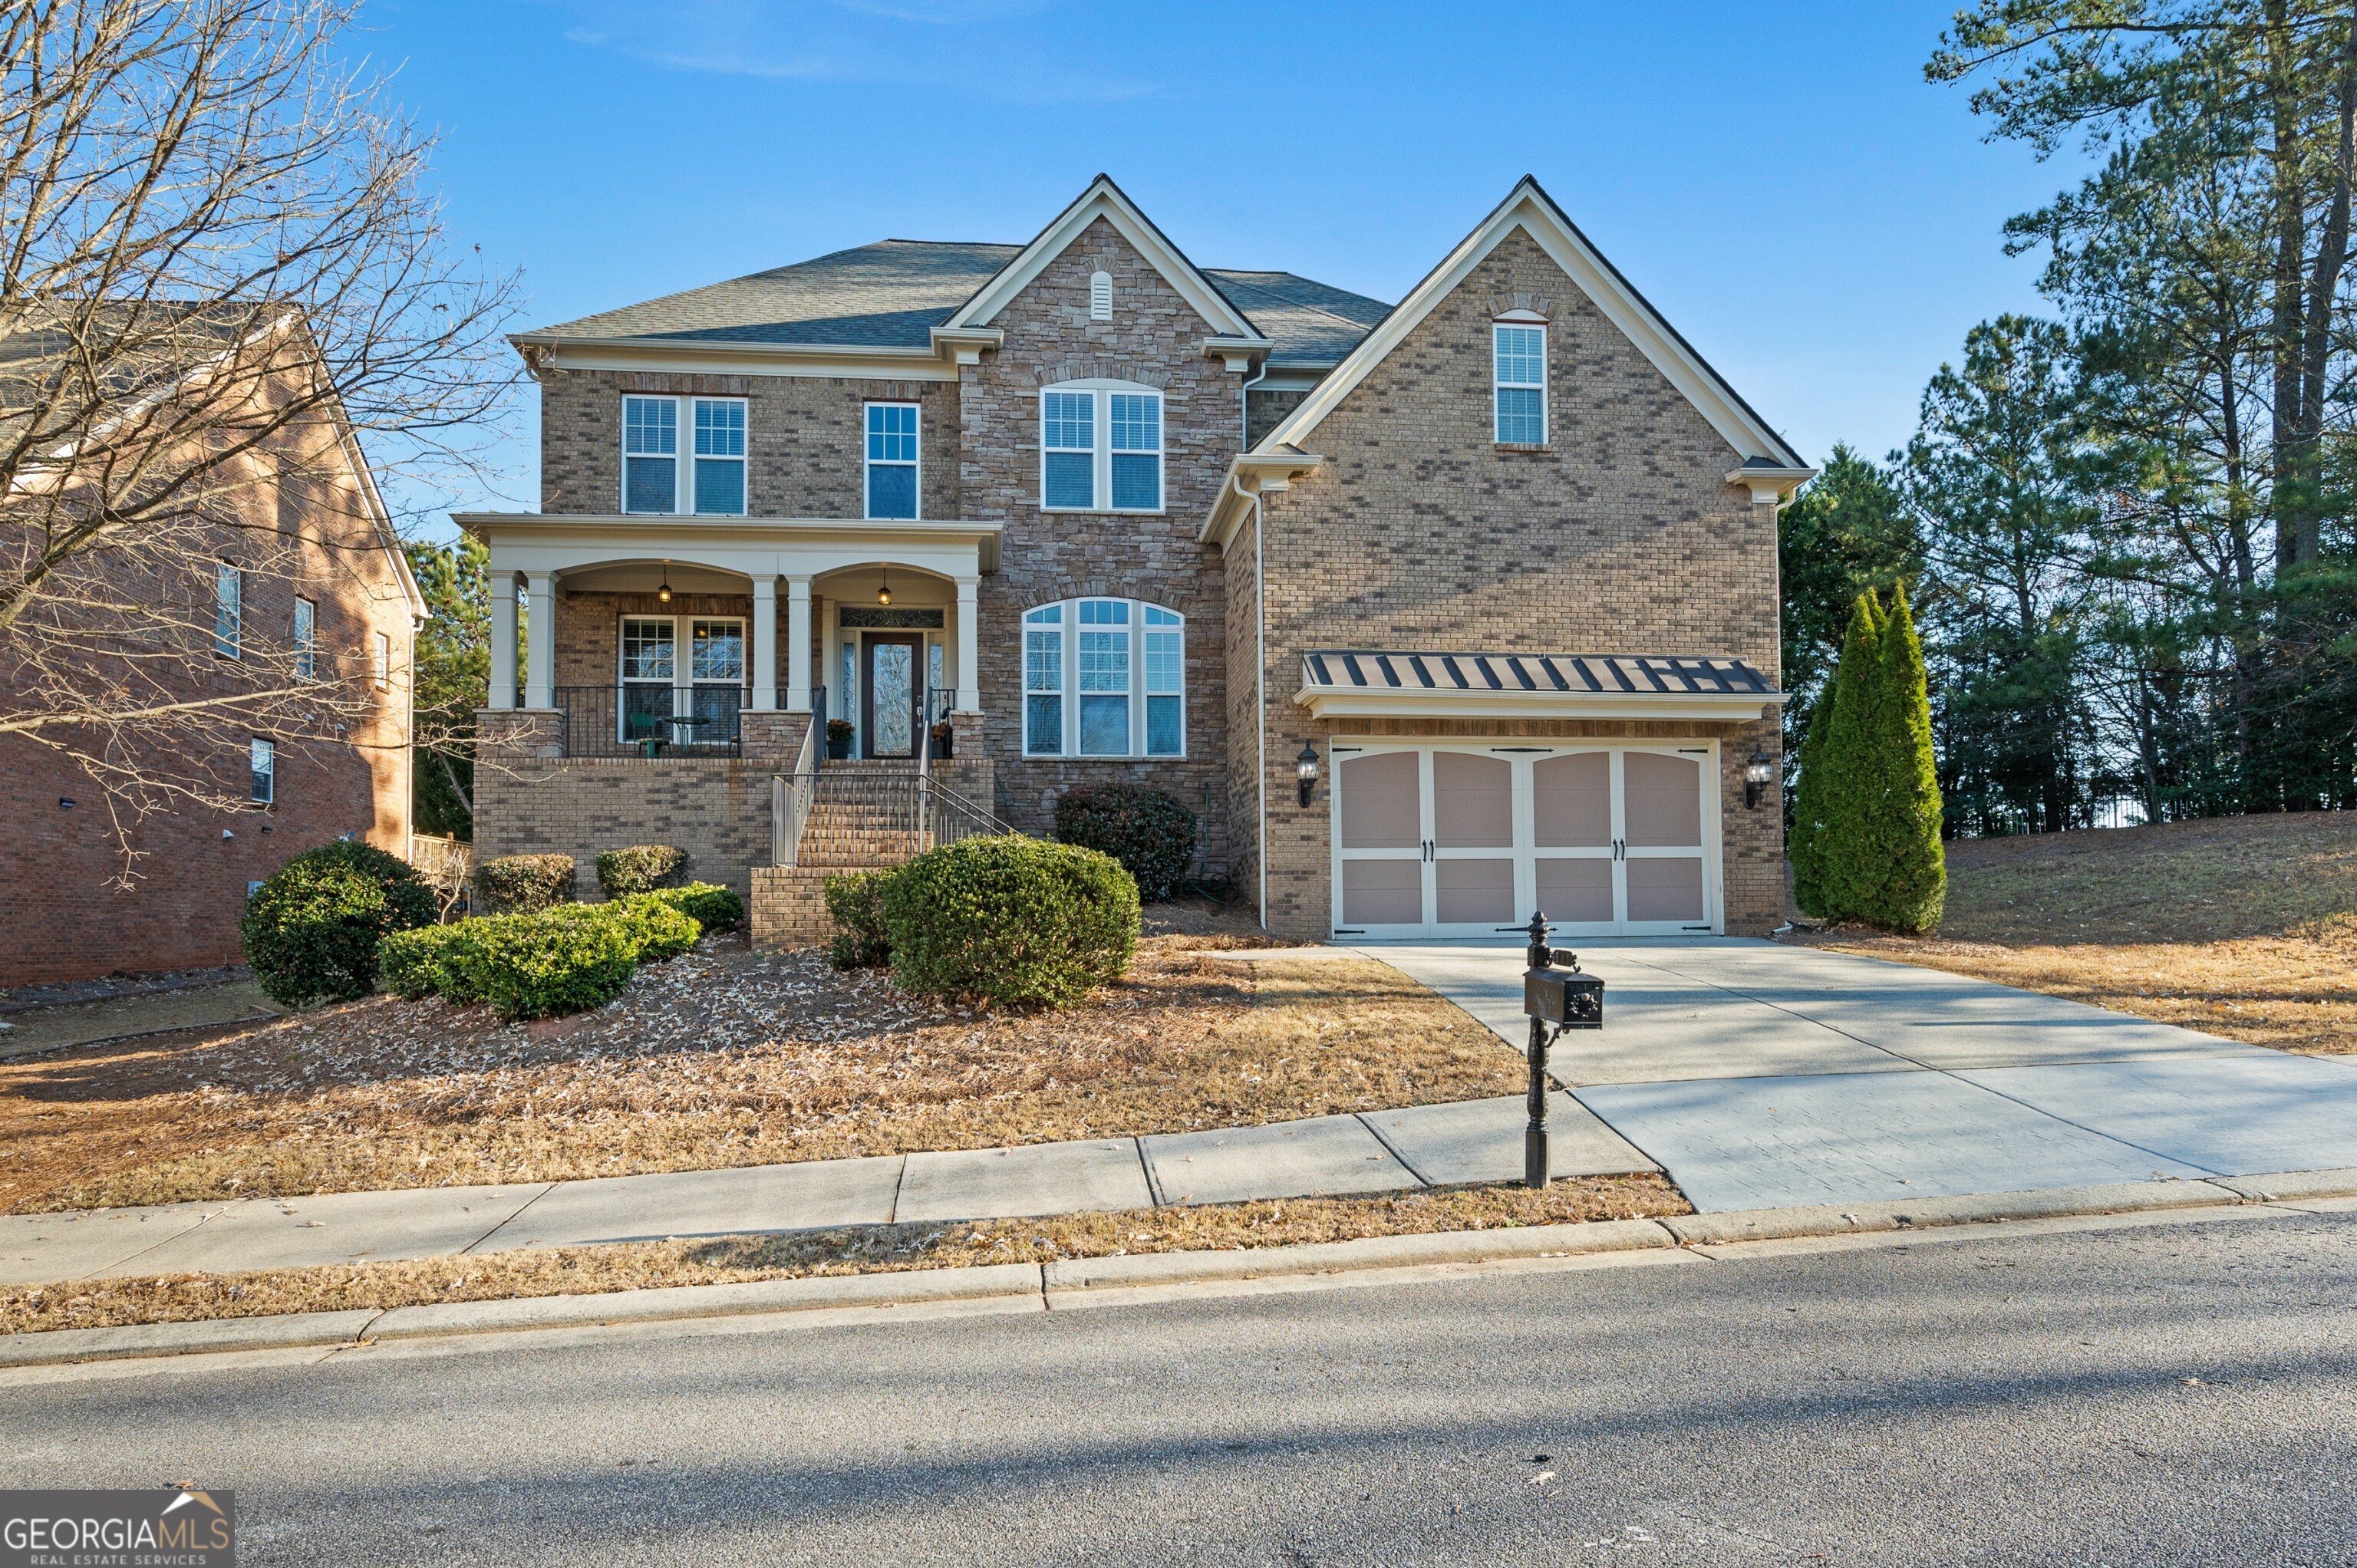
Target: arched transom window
pixel 1105 677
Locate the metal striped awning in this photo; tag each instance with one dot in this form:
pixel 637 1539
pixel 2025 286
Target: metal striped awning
pixel 1342 682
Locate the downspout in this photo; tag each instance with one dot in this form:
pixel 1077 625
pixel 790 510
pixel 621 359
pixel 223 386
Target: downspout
pixel 1260 646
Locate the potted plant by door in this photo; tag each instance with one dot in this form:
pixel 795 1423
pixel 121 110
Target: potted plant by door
pixel 944 739
pixel 838 739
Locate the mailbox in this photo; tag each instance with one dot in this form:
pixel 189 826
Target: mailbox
pixel 1564 997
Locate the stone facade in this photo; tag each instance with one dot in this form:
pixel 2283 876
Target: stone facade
pixel 1419 531
pixel 1156 337
pixel 805 439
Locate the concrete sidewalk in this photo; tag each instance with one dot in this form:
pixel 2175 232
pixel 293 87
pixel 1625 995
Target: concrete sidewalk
pixel 1388 1151
pixel 1763 1076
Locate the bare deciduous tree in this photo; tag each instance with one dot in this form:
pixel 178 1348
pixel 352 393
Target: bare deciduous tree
pixel 221 277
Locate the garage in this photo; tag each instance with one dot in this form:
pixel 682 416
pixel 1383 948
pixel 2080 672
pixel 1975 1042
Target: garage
pixel 1464 838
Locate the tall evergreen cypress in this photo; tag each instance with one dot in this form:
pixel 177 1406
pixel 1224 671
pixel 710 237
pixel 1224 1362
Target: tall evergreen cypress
pixel 1912 887
pixel 1840 800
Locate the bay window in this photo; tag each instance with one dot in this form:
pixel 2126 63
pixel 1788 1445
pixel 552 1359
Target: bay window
pixel 1105 677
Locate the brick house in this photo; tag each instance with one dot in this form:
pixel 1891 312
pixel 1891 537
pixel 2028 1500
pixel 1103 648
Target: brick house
pixel 306 576
pixel 1498 562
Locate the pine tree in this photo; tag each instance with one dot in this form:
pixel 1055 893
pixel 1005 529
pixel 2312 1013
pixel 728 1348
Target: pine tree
pixel 1912 884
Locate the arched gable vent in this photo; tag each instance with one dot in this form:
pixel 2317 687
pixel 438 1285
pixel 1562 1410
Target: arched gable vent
pixel 1101 297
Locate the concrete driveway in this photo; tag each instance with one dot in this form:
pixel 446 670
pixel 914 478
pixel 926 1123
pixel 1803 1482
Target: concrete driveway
pixel 1760 1075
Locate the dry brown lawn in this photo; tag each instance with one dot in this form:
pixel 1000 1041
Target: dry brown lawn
pixel 574 1271
pixel 722 1057
pixel 2239 926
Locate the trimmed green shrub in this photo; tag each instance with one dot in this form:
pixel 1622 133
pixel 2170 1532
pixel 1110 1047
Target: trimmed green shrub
pixel 715 908
pixel 1911 892
pixel 856 902
pixel 1149 831
pixel 659 929
pixel 415 963
pixel 568 959
pixel 1010 921
pixel 312 931
pixel 641 868
pixel 522 883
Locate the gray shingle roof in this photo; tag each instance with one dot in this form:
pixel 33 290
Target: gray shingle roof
pixel 1339 670
pixel 890 294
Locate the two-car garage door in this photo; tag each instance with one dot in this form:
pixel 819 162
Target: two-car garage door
pixel 1459 840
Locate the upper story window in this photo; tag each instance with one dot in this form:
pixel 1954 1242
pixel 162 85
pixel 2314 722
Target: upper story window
pixel 1105 677
pixel 1101 448
pixel 892 459
pixel 229 611
pixel 1519 356
pixel 264 770
pixel 307 638
pixel 651 481
pixel 381 660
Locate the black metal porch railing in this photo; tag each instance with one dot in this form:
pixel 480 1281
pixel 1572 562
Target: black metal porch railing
pixel 843 818
pixel 653 722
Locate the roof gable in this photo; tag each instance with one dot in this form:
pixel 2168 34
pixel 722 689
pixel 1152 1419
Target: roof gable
pixel 1106 199
pixel 1531 210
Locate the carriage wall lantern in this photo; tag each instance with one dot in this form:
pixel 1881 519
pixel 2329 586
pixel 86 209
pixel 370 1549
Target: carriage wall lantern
pixel 1304 767
pixel 1756 775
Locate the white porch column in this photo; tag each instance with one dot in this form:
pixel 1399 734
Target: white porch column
pixel 503 640
pixel 540 682
pixel 968 645
pixel 765 642
pixel 798 644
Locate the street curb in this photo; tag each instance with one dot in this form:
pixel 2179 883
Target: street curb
pixel 1078 1277
pixel 905 1287
pixel 1902 1214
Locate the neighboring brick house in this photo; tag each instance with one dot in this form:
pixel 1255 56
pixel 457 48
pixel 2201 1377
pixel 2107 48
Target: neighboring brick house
pixel 311 570
pixel 1498 562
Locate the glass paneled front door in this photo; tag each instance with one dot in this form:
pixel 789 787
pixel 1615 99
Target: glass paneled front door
pixel 1440 840
pixel 890 693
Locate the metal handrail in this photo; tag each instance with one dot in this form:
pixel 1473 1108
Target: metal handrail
pixel 791 799
pixel 861 819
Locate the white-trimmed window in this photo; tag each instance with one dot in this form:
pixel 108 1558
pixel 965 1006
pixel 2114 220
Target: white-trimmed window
pixel 1105 677
pixel 306 639
pixel 380 662
pixel 707 696
pixel 1520 360
pixel 892 489
pixel 651 481
pixel 229 611
pixel 265 771
pixel 1099 447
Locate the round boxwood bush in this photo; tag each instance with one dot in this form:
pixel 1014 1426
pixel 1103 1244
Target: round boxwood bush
pixel 313 929
pixel 1010 922
pixel 1147 831
pixel 565 959
pixel 641 868
pixel 524 883
pixel 709 905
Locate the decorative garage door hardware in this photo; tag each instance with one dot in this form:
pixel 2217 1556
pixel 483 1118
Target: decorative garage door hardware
pixel 1339 670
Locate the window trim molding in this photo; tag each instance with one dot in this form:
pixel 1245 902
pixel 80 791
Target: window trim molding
pixel 305 639
pixel 228 574
pixel 1523 321
pixel 262 748
pixel 682 456
pixel 1069 626
pixel 1101 390
pixel 683 682
pixel 867 463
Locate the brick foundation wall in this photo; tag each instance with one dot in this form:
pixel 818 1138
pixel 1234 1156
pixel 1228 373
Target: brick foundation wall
pixel 1621 535
pixel 1155 339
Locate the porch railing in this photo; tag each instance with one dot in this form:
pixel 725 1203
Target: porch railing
pixel 847 818
pixel 653 722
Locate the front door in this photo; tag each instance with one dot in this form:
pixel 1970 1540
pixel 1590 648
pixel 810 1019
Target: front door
pixel 888 691
pixel 1458 842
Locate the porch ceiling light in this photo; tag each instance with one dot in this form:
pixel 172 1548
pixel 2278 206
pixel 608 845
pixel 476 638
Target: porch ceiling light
pixel 1756 775
pixel 662 594
pixel 1304 767
pixel 884 593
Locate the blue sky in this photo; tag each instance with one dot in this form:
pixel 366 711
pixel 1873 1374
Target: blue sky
pixel 1778 179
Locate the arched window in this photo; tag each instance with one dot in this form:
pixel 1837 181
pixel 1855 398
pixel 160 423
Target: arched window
pixel 1105 677
pixel 1100 446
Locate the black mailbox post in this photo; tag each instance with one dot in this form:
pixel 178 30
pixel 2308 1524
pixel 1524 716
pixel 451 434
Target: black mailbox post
pixel 1556 999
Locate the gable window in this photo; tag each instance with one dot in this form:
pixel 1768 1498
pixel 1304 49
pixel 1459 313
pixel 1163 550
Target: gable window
pixel 1101 448
pixel 1087 692
pixel 650 455
pixel 229 611
pixel 1520 357
pixel 307 638
pixel 264 772
pixel 892 459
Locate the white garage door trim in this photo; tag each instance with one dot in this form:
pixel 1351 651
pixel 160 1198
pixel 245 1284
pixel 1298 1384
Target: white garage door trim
pixel 1449 879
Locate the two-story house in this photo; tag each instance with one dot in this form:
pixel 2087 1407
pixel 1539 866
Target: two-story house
pixel 1434 612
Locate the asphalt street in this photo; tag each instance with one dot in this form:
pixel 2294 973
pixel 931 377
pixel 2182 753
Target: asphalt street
pixel 2136 1394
